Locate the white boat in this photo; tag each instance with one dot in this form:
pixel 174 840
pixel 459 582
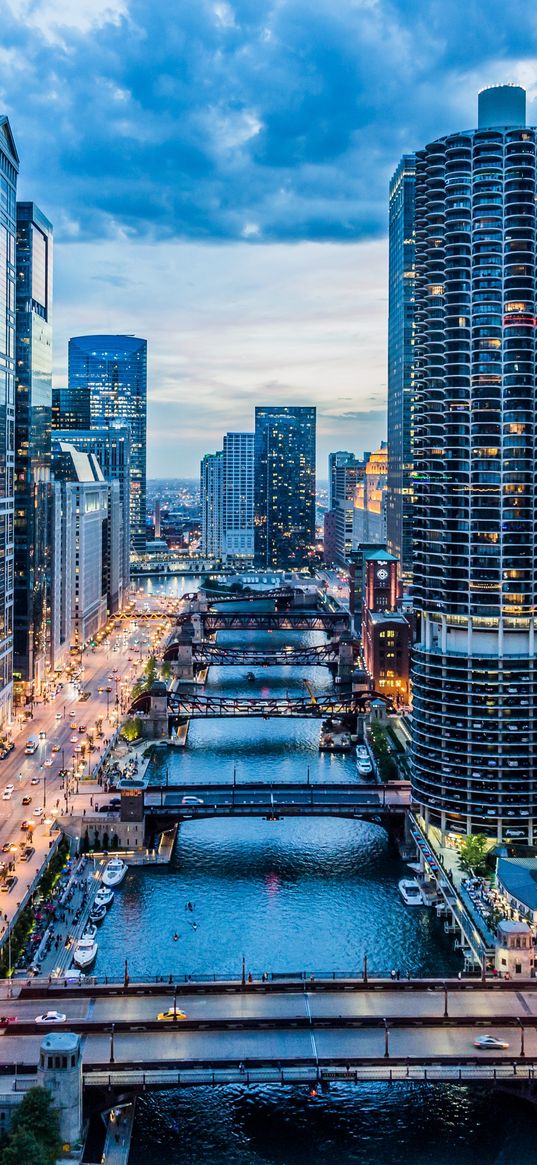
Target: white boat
pixel 97 913
pixel 90 931
pixel 85 953
pixel 104 897
pixel 410 892
pixel 114 872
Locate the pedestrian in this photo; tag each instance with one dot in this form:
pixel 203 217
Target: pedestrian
pixel 393 975
pixel 459 975
pixel 398 976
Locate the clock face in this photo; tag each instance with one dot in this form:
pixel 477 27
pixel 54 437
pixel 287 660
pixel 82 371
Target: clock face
pixel 382 573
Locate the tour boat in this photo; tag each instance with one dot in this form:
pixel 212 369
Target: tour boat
pixel 114 872
pixel 410 892
pixel 85 953
pixel 97 914
pixel 104 897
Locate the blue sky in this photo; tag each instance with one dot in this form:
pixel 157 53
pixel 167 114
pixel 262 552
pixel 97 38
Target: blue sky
pixel 216 172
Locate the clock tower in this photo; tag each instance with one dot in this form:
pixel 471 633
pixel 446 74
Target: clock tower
pixel 380 581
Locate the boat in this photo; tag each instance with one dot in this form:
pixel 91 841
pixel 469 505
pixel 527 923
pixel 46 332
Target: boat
pixel 250 677
pixel 410 892
pixel 90 931
pixel 114 872
pixel 85 953
pixel 104 897
pixel 97 914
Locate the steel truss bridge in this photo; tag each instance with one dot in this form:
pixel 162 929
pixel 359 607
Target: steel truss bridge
pixel 330 621
pixel 284 1029
pixel 203 707
pixel 285 594
pixel 209 653
pixel 386 804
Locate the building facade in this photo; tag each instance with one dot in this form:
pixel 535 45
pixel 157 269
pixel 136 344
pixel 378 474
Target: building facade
pixel 211 477
pixel 33 397
pixel 386 634
pixel 369 514
pixel 474 724
pixel 111 447
pixel 401 363
pixel 112 371
pixel 9 166
pixel 284 490
pixel 238 496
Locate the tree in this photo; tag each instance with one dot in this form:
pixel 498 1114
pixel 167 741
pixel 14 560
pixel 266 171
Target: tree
pixel 151 670
pixel 35 1124
pixel 166 670
pixel 473 854
pixel 132 728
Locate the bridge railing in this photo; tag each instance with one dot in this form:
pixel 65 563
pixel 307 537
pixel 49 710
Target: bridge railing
pixel 310 978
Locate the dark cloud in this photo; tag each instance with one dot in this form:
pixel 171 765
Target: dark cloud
pixel 260 119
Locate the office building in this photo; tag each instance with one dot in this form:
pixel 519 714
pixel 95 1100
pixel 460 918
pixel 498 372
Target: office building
pixel 112 372
pixel 369 514
pixel 400 363
pixel 71 408
pixel 474 728
pixel 347 472
pixel 33 397
pixel 111 447
pixel 238 496
pixel 85 527
pixel 284 490
pixel 9 166
pixel 211 474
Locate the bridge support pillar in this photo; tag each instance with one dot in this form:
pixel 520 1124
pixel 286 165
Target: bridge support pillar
pixel 155 724
pixel 345 660
pixel 60 1072
pixel 183 667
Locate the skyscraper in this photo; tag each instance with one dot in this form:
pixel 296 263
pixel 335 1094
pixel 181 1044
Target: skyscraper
pixel 284 489
pixel 211 504
pixel 9 166
pixel 474 725
pixel 112 370
pixel 346 472
pixel 400 362
pixel 238 496
pixel 33 395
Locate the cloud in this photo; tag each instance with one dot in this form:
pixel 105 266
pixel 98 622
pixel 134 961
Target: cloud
pixel 269 120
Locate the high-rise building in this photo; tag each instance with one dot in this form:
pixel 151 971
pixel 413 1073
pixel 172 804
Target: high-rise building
pixel 111 447
pixel 9 166
pixel 369 516
pixel 33 397
pixel 112 371
pixel 400 362
pixel 238 496
pixel 284 489
pixel 474 725
pixel 71 408
pixel 211 474
pixel 347 472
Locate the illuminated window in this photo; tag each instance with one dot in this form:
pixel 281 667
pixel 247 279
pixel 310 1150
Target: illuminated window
pixel 436 289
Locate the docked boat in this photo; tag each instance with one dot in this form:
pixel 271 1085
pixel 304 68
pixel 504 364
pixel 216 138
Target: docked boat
pixel 85 953
pixel 97 914
pixel 90 931
pixel 410 892
pixel 114 872
pixel 104 897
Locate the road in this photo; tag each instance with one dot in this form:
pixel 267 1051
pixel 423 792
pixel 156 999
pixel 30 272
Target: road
pixel 328 1024
pixel 268 797
pixel 114 664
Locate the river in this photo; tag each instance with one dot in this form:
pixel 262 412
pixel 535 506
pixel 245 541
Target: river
pixel 290 895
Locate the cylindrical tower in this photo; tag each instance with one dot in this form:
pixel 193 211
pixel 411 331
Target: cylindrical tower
pixel 474 729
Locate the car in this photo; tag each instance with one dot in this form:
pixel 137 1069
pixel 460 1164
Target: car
pixel 7 795
pixel 48 762
pixel 73 739
pixel 104 808
pixel 6 847
pixel 35 780
pixel 51 1017
pixel 27 824
pixel 100 691
pixel 42 734
pixel 9 883
pixel 490 1042
pixel 115 802
pixel 82 728
pixel 192 801
pixel 8 1019
pixel 39 811
pixel 72 712
pixel 170 1015
pixel 59 716
pixel 27 800
pixel 27 853
pixel 10 788
pixel 7 747
pixel 56 748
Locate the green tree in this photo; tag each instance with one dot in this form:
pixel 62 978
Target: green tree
pixel 473 854
pixel 37 1120
pixel 132 728
pixel 166 670
pixel 151 670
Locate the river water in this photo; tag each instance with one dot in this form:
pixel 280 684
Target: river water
pixel 290 895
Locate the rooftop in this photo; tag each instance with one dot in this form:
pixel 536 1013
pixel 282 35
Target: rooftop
pixel 518 876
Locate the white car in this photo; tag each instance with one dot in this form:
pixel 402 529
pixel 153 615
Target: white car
pixel 35 780
pixel 59 716
pixel 48 762
pixel 6 795
pixel 39 811
pixel 490 1042
pixel 10 788
pixel 192 801
pixel 51 1017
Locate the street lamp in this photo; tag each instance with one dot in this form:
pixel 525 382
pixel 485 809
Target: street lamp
pixel 386 1046
pixel 445 1001
pixel 522 1050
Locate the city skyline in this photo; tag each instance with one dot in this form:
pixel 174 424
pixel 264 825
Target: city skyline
pixel 268 224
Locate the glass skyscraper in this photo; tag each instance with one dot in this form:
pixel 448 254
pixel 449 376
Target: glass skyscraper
pixel 474 722
pixel 400 363
pixel 112 370
pixel 284 485
pixel 33 394
pixel 9 166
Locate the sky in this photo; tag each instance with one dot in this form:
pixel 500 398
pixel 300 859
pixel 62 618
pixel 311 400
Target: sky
pixel 216 172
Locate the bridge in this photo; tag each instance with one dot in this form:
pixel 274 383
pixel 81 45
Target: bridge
pixel 278 594
pixel 386 804
pixel 203 707
pixel 209 653
pixel 296 620
pixel 281 1029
